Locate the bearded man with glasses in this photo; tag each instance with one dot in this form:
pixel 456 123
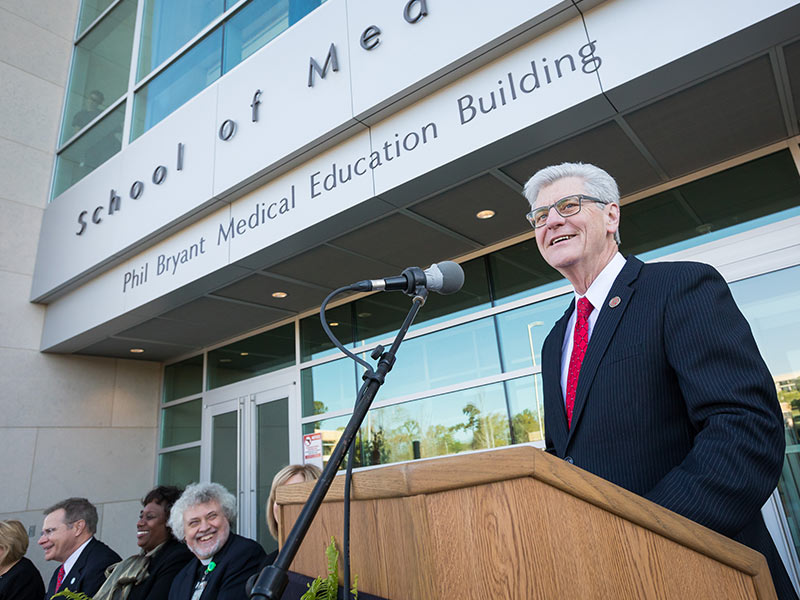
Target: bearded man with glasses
pixel 652 378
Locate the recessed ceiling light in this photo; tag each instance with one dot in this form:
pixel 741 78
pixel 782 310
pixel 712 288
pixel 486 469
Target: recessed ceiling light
pixel 334 323
pixel 485 214
pixel 137 350
pixel 364 315
pixel 225 360
pixel 243 353
pixel 279 294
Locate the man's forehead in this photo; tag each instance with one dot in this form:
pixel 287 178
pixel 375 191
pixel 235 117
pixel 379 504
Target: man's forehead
pixel 55 518
pixel 202 509
pixel 560 188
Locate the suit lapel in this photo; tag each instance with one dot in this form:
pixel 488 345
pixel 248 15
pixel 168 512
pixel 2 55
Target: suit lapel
pixel 72 579
pixel 551 377
pixel 603 332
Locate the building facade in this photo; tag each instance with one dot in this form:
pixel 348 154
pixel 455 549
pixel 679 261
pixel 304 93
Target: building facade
pixel 185 182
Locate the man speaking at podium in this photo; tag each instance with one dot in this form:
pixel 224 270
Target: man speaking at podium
pixel 652 378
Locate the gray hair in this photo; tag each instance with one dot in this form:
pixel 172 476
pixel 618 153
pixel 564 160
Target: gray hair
pixel 76 509
pixel 200 493
pixel 596 181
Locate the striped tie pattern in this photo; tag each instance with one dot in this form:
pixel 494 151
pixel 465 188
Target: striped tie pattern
pixel 60 577
pixel 579 342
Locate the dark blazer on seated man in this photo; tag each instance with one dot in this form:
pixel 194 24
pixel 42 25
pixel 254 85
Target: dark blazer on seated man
pixel 89 571
pixel 654 382
pixel 235 562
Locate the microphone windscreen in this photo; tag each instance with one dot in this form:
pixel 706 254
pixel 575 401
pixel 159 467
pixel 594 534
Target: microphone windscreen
pixel 452 276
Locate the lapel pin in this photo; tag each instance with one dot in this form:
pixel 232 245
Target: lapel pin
pixel 614 302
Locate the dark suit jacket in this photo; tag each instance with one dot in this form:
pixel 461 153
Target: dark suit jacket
pixel 162 570
pixel 237 560
pixel 88 573
pixel 674 402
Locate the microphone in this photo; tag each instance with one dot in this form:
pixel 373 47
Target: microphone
pixel 445 277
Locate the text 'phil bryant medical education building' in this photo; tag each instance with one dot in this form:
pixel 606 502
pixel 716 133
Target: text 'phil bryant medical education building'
pixel 184 181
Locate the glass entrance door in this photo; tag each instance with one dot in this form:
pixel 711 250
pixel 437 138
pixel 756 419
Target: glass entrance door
pixel 222 425
pixel 249 441
pixel 270 437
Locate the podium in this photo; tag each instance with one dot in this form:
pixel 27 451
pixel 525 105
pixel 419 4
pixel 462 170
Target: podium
pixel 517 523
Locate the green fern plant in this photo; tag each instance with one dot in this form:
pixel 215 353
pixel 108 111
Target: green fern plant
pixel 69 595
pixel 327 588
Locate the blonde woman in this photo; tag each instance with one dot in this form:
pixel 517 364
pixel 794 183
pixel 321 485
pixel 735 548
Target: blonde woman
pixel 19 579
pixel 286 476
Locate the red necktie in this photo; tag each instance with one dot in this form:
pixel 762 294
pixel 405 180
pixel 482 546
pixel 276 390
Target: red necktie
pixel 579 342
pixel 60 577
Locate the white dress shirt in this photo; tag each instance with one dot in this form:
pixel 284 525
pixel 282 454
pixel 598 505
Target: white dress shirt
pixel 596 294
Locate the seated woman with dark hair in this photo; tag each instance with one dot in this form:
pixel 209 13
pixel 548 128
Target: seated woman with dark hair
pixel 149 574
pixel 19 579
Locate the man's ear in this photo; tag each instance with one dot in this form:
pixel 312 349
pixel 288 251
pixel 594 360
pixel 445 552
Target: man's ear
pixel 79 527
pixel 612 218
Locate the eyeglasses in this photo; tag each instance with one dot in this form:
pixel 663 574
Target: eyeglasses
pixel 51 530
pixel 566 207
pixel 48 532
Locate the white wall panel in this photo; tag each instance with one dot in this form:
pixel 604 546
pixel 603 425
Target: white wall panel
pixel 291 115
pixel 450 34
pixel 64 255
pixel 638 36
pixel 488 105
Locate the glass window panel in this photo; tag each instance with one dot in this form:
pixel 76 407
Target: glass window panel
pixel 446 357
pixel 380 315
pixel 100 65
pixel 527 411
pixel 256 355
pixel 169 24
pixel 331 430
pixel 179 468
pixel 328 387
pixel 90 150
pixel 224 450
pixel 522 331
pixel 90 10
pixel 314 343
pixel 519 270
pixel 300 8
pixel 711 208
pixel 182 80
pixel 181 424
pixel 183 379
pixel 272 440
pixel 769 303
pixel 252 27
pixel 447 424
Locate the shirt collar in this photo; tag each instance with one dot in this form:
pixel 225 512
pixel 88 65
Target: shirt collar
pixel 73 558
pixel 597 292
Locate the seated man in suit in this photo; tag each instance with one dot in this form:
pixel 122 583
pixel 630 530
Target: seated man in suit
pixel 203 517
pixel 68 537
pixel 652 378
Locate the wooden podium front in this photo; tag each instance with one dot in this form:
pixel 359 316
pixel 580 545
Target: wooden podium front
pixel 518 523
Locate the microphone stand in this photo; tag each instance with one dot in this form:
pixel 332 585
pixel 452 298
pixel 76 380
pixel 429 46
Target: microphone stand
pixel 273 579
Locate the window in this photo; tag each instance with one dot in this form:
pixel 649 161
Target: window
pixel 168 24
pixel 102 75
pixel 100 68
pixel 102 141
pixel 182 80
pixel 256 355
